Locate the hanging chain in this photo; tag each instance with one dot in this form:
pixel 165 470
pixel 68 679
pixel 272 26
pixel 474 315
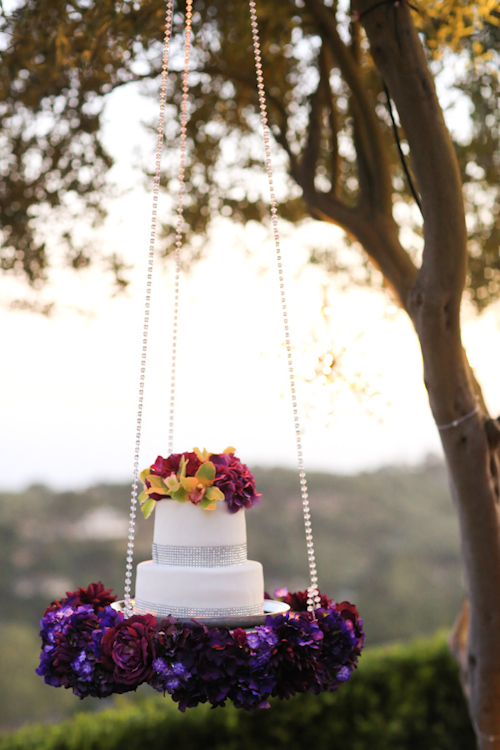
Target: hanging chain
pixel 313 598
pixel 147 307
pixel 180 221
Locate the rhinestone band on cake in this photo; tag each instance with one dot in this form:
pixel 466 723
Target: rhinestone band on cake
pixel 200 557
pixel 164 610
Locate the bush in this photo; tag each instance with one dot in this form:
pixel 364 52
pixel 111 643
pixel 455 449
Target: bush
pixel 401 698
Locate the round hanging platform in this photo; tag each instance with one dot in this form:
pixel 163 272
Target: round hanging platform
pixel 272 608
pixel 90 647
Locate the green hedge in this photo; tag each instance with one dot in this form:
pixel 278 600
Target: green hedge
pixel 401 698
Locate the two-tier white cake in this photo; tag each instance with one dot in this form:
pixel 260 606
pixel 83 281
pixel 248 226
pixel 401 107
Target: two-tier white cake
pixel 199 566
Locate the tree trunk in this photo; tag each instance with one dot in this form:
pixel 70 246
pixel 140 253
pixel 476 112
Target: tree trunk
pixel 433 303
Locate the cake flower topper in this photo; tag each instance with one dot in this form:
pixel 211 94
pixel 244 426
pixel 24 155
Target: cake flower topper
pixel 200 477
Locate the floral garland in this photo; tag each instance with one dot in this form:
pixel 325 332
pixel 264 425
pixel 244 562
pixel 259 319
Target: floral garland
pixel 201 477
pixel 93 649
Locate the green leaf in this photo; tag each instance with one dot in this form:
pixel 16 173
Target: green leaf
pixel 182 468
pixel 148 507
pixel 202 455
pixel 214 493
pixel 207 504
pixel 206 472
pixel 189 483
pixel 157 483
pixel 143 497
pixel 172 483
pixel 145 473
pixel 180 495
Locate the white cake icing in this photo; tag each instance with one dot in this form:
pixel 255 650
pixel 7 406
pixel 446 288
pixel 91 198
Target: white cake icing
pixel 199 567
pixel 187 525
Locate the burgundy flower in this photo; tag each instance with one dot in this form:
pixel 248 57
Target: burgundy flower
pixel 164 467
pixel 347 611
pixel 298 600
pixel 171 635
pixel 128 649
pixel 235 481
pixel 240 637
pixel 95 595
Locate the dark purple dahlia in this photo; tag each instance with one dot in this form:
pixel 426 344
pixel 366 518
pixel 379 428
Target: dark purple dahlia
pixel 298 600
pixel 235 480
pixel 95 595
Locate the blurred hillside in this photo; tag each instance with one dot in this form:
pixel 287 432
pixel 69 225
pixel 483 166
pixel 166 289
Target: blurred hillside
pixel 387 541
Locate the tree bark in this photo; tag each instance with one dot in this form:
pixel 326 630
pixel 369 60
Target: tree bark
pixel 433 303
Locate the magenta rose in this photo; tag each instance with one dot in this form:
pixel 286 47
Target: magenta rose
pixel 128 649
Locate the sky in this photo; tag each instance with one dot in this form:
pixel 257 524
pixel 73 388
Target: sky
pixel 69 384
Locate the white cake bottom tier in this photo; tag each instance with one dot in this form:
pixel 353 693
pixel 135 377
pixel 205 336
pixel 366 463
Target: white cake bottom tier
pixel 229 591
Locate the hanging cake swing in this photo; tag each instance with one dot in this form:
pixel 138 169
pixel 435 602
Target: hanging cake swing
pixel 200 626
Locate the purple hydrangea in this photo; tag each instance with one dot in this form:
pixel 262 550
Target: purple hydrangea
pixel 235 481
pixel 71 649
pixel 171 677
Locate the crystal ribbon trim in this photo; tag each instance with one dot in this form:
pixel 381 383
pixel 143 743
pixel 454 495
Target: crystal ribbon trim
pixel 200 557
pixel 164 610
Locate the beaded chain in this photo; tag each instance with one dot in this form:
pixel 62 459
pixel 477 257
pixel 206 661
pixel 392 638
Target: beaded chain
pixel 180 208
pixel 313 598
pixel 147 308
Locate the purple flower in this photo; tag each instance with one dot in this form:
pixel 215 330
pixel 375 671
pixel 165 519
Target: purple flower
pixel 171 677
pixel 95 595
pixel 343 674
pixel 235 481
pixel 71 649
pixel 128 649
pixel 82 666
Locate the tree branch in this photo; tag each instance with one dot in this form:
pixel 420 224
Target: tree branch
pixel 372 158
pixel 311 151
pixel 279 131
pixel 400 58
pixel 320 97
pixel 325 68
pixel 379 236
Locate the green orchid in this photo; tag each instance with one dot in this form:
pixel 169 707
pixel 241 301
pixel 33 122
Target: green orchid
pixel 198 489
pixel 156 487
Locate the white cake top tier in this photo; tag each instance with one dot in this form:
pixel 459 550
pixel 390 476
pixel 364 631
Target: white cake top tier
pixel 188 525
